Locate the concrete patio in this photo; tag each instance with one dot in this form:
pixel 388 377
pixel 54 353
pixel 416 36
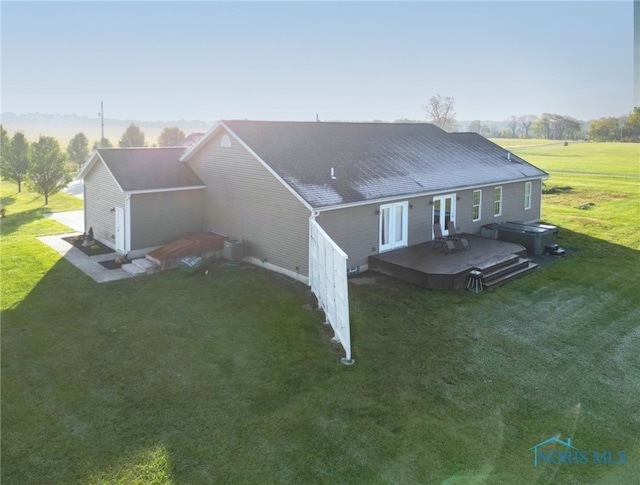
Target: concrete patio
pixel 89 265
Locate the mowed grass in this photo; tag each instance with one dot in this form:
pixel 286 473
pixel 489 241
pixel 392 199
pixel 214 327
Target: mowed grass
pixel 228 378
pixel 596 158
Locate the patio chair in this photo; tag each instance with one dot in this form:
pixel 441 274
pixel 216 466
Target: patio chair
pixel 438 238
pixel 457 238
pixel 451 227
pixel 464 243
pixel 449 245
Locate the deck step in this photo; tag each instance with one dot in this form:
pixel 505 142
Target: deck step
pixel 133 269
pixel 498 271
pixel 502 277
pixel 146 265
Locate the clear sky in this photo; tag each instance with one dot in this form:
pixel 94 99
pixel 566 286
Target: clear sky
pixel 342 60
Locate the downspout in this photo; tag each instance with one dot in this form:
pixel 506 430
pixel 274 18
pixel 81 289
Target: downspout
pixel 312 218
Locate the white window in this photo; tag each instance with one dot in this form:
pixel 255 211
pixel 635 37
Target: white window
pixel 225 141
pixel 393 225
pixel 477 202
pixel 497 202
pixel 527 195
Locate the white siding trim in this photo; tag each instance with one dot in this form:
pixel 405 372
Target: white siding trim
pixel 213 131
pixel 528 198
pixel 127 223
pixel 499 201
pixel 479 218
pixel 393 198
pixel 89 166
pixel 153 191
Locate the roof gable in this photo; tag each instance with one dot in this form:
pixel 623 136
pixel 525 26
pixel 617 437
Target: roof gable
pixel 146 169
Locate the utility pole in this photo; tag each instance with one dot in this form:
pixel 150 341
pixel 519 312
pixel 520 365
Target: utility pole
pixel 101 114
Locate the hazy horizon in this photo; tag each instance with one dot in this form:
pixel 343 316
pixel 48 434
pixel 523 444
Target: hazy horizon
pixel 347 61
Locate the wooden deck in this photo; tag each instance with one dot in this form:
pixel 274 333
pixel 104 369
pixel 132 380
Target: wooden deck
pixel 203 244
pixel 436 268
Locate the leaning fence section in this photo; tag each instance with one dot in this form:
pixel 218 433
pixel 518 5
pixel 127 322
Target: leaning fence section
pixel 328 281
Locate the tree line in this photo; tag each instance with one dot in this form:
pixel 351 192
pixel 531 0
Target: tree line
pixel 440 111
pixel 47 169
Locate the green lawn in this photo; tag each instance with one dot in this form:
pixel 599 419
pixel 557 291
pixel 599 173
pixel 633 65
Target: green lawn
pixel 227 378
pixel 598 158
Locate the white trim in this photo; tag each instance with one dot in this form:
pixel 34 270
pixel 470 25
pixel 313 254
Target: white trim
pixel 278 269
pixel 175 189
pixel 443 213
pixel 127 223
pixel 89 166
pixel 392 225
pixel 221 125
pixel 479 205
pixel 527 203
pixel 496 200
pixel 393 198
pixel 201 142
pixel 120 244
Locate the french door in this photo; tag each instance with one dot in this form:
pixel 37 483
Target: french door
pixel 444 210
pixel 394 225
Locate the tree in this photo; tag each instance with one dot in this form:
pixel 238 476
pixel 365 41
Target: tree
pixel 15 158
pixel 604 129
pixel 440 112
pixel 632 126
pixel 103 143
pixel 476 126
pixel 526 121
pixel 170 137
pixel 78 150
pixel 132 137
pixel 48 172
pixel 4 140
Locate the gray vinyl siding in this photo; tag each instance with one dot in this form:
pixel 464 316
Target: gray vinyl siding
pixel 512 206
pixel 243 200
pixel 357 229
pixel 101 195
pixel 161 217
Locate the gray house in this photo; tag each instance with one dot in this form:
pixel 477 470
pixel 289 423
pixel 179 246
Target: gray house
pixel 372 187
pixel 140 198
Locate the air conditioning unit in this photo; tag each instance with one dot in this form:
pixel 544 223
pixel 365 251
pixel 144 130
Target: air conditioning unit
pixel 234 250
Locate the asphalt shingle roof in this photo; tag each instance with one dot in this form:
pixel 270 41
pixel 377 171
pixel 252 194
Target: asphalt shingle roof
pixel 149 168
pixel 376 160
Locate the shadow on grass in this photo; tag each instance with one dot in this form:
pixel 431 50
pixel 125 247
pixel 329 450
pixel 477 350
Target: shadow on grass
pixel 12 222
pixel 203 370
pixel 8 200
pixel 227 378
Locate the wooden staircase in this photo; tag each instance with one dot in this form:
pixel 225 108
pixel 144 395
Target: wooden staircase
pixel 510 268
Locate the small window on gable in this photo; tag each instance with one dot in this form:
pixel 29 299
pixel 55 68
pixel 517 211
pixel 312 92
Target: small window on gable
pixel 225 141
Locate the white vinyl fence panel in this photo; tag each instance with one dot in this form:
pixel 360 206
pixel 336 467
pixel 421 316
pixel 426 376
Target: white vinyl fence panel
pixel 328 281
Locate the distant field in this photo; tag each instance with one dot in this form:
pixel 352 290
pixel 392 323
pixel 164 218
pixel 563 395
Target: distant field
pixel 519 142
pixel 600 158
